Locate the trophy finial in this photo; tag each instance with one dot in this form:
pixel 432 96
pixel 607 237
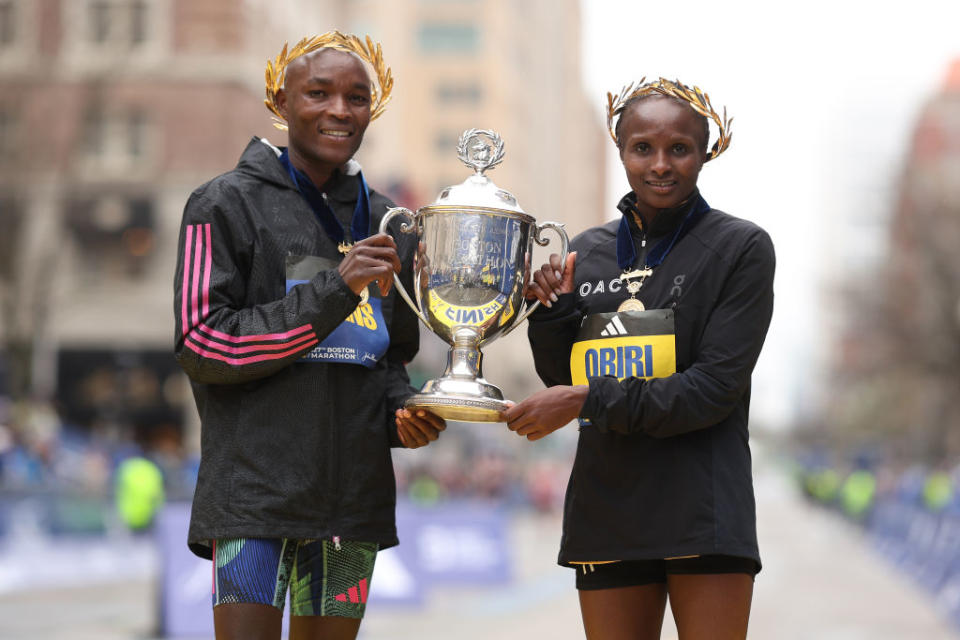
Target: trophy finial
pixel 480 149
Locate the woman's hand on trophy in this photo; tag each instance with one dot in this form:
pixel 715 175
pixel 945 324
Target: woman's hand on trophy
pixel 545 411
pixel 418 428
pixel 552 279
pixel 373 258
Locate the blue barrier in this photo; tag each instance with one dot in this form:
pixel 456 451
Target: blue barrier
pixel 923 545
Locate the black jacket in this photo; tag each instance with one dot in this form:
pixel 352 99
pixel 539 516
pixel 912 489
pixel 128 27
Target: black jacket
pixel 664 469
pixel 288 448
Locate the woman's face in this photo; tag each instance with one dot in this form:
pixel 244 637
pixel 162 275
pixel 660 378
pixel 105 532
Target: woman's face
pixel 662 152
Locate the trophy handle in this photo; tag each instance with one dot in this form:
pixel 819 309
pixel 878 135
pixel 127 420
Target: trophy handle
pixel 564 246
pixel 406 227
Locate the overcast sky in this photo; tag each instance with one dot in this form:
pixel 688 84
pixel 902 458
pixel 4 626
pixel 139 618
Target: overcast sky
pixel 824 97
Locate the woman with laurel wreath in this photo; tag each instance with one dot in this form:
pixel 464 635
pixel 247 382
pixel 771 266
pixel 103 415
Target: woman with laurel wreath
pixel 295 347
pixel 648 335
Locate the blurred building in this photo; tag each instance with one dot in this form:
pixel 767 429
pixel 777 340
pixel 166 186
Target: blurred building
pixel 924 292
pixel 897 368
pixel 508 65
pixel 112 111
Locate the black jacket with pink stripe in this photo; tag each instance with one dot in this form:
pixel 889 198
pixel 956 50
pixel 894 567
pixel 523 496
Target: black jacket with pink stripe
pixel 288 448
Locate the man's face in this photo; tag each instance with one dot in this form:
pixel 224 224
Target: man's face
pixel 662 152
pixel 326 103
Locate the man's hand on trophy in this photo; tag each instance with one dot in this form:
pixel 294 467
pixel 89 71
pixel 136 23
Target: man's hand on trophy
pixel 419 427
pixel 373 258
pixel 552 279
pixel 545 411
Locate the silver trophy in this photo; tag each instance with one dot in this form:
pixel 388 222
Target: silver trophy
pixel 473 260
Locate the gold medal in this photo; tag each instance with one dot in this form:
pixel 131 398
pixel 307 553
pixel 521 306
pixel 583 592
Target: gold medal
pixel 344 247
pixel 631 304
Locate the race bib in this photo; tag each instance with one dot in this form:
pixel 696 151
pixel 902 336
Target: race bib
pixel 362 337
pixel 639 344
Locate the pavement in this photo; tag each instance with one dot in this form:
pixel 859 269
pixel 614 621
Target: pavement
pixel 821 580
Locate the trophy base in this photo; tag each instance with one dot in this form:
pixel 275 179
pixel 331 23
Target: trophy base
pixel 461 408
pixel 460 398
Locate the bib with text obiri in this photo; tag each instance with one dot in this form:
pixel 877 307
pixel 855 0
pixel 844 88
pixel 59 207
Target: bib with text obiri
pixel 639 344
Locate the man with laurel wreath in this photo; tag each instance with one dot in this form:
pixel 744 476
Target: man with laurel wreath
pixel 295 345
pixel 648 335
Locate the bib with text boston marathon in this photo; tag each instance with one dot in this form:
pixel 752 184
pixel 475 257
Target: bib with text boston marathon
pixel 362 337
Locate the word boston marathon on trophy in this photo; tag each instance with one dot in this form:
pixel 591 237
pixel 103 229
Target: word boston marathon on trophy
pixel 475 245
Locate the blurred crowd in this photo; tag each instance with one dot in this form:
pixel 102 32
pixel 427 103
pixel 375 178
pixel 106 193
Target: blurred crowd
pixel 40 452
pixel 855 487
pixel 485 470
pixel 86 478
pixel 909 513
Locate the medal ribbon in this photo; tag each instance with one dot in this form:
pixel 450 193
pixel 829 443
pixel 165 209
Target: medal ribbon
pixel 359 224
pixel 627 253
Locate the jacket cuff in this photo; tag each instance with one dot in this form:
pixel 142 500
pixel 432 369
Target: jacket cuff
pixel 341 293
pixel 603 406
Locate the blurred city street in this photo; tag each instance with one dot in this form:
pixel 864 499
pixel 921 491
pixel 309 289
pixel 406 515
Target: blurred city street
pixel 114 112
pixel 821 579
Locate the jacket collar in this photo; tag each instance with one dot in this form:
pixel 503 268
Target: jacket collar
pixel 668 227
pixel 261 158
pixel 664 222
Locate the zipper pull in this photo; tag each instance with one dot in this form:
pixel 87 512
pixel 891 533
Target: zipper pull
pixel 336 542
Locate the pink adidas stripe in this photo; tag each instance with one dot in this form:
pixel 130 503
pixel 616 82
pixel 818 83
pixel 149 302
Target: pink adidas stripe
pixel 196 275
pixel 195 306
pixel 246 359
pixel 196 337
pixel 185 290
pixel 254 338
pixel 206 272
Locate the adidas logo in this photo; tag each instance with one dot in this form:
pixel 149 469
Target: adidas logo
pixel 354 594
pixel 614 328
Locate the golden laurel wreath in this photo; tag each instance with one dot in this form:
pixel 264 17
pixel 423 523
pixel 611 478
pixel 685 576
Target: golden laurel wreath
pixel 697 99
pixel 368 51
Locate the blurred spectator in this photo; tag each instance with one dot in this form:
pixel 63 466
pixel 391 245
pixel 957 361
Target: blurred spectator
pixel 857 493
pixel 139 492
pixel 937 491
pixel 424 490
pixel 822 485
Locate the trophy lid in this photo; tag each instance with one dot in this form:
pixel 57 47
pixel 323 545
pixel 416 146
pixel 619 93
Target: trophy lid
pixel 478 190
